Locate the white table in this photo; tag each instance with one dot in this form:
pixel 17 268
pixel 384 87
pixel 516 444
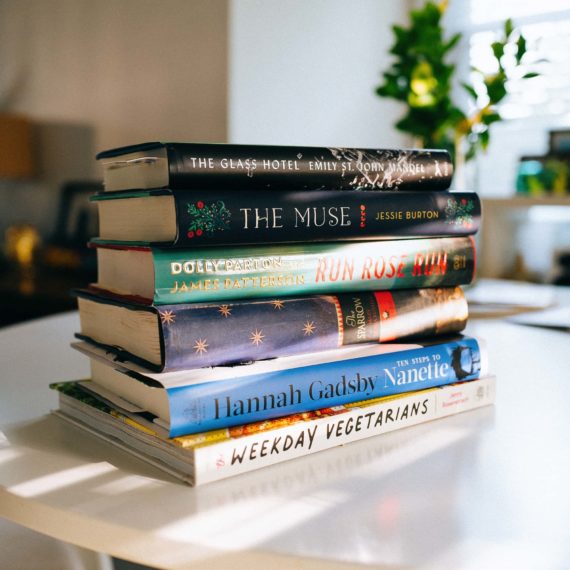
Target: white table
pixel 485 489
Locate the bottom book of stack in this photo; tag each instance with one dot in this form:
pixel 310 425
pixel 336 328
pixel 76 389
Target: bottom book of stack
pixel 205 457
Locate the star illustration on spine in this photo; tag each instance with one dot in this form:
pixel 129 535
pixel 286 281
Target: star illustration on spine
pixel 167 317
pixel 277 304
pixel 257 337
pixel 309 328
pixel 224 310
pixel 201 346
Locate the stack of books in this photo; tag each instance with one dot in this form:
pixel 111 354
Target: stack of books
pixel 252 303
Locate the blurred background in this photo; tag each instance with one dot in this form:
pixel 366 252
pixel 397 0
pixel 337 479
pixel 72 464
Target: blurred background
pixel 77 77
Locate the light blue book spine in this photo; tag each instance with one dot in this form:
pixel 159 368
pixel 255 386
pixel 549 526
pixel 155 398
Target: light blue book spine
pixel 220 404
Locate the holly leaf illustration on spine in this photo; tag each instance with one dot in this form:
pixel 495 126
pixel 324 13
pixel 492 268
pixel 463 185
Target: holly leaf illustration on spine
pixel 459 212
pixel 206 219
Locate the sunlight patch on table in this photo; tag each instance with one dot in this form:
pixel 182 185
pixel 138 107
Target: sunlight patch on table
pixel 233 527
pixel 7 455
pixel 413 451
pixel 61 479
pixel 126 484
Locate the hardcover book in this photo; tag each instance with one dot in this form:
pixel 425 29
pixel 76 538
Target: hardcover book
pixel 255 167
pixel 215 217
pixel 169 276
pixel 195 335
pixel 205 399
pixel 211 456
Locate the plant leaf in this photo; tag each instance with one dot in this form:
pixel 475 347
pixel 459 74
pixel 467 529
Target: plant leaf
pixel 521 48
pixel 452 42
pixel 484 139
pixel 498 49
pixel 489 118
pixel 530 75
pixel 509 27
pixel 496 87
pixel 470 154
pixel 470 90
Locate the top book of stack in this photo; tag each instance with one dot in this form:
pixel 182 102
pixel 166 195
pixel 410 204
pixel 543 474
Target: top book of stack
pixel 256 167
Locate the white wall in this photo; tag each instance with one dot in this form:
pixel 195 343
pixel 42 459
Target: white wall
pixel 104 73
pixel 126 71
pixel 304 72
pixel 134 69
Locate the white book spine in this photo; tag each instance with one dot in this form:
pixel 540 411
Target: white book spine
pixel 225 459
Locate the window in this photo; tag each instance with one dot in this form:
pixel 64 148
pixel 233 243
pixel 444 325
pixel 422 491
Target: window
pixel 534 106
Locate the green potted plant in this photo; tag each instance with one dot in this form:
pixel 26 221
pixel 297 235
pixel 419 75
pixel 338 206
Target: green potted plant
pixel 421 77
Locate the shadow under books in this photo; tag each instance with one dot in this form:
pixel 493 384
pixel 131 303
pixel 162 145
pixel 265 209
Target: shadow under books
pixel 254 509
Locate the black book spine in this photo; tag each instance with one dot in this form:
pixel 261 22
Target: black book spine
pixel 306 168
pixel 224 217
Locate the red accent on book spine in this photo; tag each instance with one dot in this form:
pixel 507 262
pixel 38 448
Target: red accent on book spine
pixel 340 321
pixel 387 310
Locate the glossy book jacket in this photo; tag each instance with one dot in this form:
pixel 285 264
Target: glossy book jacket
pixel 266 167
pixel 210 456
pixel 220 217
pixel 195 335
pixel 213 398
pixel 232 273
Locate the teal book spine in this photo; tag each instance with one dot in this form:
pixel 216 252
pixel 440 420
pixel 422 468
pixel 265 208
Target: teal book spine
pixel 219 274
pixel 263 396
